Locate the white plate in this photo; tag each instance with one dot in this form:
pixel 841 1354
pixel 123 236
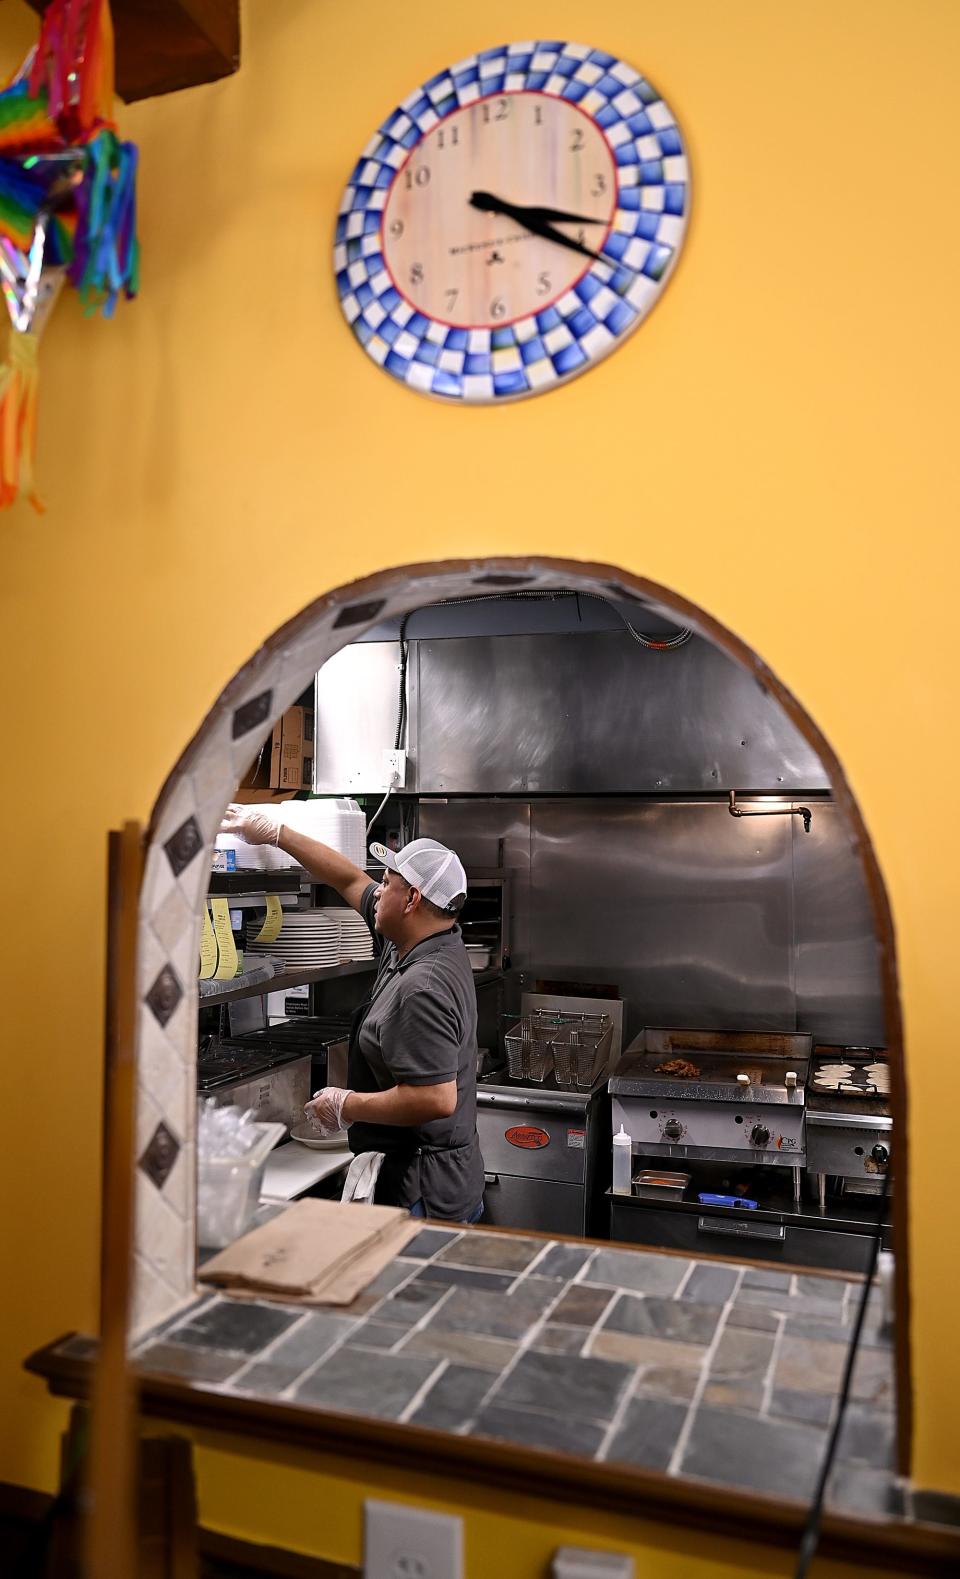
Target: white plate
pixel 308 1136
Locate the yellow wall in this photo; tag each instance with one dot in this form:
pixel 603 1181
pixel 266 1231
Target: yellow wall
pixel 777 443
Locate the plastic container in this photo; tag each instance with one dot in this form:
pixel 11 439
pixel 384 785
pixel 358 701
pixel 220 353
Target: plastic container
pixel 228 1190
pixel 622 1162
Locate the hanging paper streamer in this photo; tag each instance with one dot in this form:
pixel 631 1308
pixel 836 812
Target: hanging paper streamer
pixel 74 64
pixel 67 203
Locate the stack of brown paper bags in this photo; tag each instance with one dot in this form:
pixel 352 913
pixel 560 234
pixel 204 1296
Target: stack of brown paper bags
pixel 315 1253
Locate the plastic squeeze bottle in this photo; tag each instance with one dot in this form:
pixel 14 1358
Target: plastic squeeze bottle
pixel 622 1162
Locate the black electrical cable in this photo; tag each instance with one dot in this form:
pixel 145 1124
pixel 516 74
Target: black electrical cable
pixel 402 699
pixel 811 1530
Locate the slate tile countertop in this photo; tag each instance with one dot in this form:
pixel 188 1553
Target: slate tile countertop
pixel 715 1371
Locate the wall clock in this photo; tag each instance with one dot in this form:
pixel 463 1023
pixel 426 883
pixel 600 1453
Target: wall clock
pixel 512 221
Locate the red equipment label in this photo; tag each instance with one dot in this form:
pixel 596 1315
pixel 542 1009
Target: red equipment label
pixel 527 1137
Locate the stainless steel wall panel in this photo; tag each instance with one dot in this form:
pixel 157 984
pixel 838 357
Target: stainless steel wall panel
pixel 490 833
pixel 596 713
pixel 839 995
pixel 678 905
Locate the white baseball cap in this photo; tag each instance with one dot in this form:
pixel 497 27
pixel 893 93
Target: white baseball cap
pixel 423 863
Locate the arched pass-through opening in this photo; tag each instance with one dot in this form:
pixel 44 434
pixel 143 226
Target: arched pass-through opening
pixel 185 822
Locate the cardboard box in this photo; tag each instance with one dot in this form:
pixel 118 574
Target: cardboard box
pixel 258 774
pixel 275 742
pixel 296 749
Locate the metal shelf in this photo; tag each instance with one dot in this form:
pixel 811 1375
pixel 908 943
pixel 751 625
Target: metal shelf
pixel 285 980
pixel 289 881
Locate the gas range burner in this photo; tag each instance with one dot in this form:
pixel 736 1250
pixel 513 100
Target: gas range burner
pixel 853 1073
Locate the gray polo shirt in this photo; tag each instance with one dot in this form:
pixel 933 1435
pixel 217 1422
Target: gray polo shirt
pixel 418 1027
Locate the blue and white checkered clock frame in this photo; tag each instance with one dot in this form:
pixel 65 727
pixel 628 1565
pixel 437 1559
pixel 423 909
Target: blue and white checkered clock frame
pixel 536 353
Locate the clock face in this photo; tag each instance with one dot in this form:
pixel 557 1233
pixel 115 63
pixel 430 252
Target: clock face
pixel 511 222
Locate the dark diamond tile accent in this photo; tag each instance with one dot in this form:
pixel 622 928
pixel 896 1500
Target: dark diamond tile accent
pixel 453 1398
pixel 634 1269
pixel 160 1155
pixel 492 580
pixel 252 713
pixel 560 1433
pixel 581 1306
pixel 648 1433
pixel 437 1276
pixel 586 1389
pixel 494 1252
pixel 358 613
pixel 710 1285
pixel 183 845
pixel 428 1242
pixel 374 1384
pixel 663 1318
pixel 197 1365
pixel 243 1327
pixel 165 994
pixel 562 1261
pixel 745 1450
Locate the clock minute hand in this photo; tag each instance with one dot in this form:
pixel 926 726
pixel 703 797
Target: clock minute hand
pixel 525 217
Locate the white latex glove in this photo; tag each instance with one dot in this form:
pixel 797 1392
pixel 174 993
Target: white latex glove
pixel 325 1111
pixel 254 824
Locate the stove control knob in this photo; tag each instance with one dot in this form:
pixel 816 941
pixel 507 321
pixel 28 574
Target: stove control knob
pixel 880 1155
pixel 759 1136
pixel 672 1129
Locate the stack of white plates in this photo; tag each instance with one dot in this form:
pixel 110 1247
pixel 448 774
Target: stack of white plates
pixel 355 939
pixel 307 939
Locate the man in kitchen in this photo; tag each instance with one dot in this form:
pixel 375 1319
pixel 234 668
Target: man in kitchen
pixel 412 1066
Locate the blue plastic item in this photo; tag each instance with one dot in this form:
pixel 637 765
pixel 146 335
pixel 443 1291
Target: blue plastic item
pixel 727 1200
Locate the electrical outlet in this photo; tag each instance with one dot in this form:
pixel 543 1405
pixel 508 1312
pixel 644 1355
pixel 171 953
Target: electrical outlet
pixel 394 769
pixel 410 1543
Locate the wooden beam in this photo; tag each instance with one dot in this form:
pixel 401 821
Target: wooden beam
pixel 165 45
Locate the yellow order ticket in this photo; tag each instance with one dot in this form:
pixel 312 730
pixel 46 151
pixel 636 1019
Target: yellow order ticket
pixel 209 953
pixel 270 930
pixel 224 933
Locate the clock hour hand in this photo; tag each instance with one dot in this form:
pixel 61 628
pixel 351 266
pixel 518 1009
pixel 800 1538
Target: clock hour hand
pixel 489 204
pixel 536 227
